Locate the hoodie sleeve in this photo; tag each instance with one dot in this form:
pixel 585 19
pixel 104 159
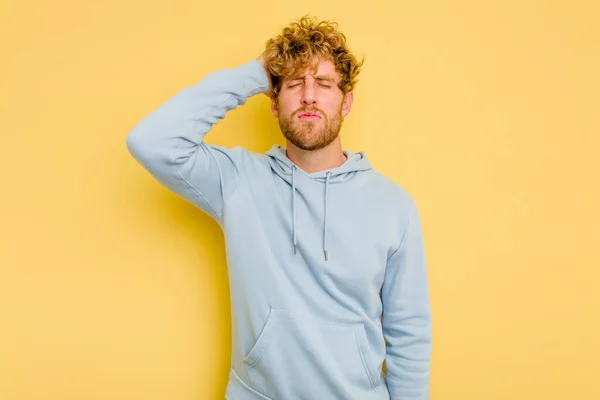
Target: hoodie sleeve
pixel 169 142
pixel 407 316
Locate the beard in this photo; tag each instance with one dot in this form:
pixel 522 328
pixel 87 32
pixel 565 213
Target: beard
pixel 311 135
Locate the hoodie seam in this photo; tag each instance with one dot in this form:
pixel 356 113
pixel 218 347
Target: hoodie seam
pixel 235 187
pixel 194 188
pixel 198 192
pixel 179 166
pixel 257 87
pixel 403 234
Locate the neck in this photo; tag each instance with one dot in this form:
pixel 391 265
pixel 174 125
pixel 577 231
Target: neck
pixel 323 159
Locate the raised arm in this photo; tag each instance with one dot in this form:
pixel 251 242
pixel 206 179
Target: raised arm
pixel 169 142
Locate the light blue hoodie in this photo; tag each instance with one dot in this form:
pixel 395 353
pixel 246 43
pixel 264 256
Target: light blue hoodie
pixel 314 259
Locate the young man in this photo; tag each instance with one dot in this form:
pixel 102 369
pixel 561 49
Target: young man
pixel 319 245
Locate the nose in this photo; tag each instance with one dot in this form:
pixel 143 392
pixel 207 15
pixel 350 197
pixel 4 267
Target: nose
pixel 308 93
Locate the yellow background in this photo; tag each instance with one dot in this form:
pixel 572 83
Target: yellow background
pixel 487 112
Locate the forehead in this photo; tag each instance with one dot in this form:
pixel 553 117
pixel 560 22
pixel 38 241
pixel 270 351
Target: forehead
pixel 324 70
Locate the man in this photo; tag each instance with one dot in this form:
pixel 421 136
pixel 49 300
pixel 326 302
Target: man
pixel 319 245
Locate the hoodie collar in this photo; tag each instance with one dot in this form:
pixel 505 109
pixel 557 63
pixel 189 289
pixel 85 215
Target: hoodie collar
pixel 288 171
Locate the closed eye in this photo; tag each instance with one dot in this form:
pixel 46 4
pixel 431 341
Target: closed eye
pixel 324 85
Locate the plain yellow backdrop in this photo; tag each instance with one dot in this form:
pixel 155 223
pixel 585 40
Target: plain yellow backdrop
pixel 113 288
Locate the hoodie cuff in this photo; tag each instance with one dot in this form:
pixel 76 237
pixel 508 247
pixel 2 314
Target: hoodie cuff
pixel 255 78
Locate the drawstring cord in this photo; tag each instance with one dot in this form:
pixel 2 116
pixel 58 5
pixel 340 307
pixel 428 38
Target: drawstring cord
pixel 325 222
pixel 294 212
pixel 294 205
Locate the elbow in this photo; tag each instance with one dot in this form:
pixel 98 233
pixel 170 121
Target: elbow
pixel 140 147
pixel 133 144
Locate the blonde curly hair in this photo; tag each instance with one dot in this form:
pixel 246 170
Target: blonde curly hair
pixel 304 44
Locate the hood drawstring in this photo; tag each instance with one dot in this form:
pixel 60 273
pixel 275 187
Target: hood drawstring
pixel 294 205
pixel 325 222
pixel 285 168
pixel 294 211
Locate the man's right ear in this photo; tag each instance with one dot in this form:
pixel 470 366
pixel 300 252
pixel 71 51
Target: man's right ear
pixel 275 108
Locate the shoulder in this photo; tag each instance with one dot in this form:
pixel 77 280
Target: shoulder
pixel 251 163
pixel 239 153
pixel 391 192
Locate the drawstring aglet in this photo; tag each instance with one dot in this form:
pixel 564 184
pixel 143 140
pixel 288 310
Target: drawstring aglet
pixel 326 258
pixel 295 248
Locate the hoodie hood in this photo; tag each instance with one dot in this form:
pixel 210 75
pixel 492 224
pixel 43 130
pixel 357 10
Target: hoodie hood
pixel 283 166
pixel 288 171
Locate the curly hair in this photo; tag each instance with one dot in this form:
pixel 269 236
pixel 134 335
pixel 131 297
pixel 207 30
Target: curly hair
pixel 304 44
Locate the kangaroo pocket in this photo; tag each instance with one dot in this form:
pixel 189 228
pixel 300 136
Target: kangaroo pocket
pixel 296 357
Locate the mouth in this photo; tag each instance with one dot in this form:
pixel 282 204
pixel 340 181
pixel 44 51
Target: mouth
pixel 309 116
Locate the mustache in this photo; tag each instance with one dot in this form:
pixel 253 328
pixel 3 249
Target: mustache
pixel 310 110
